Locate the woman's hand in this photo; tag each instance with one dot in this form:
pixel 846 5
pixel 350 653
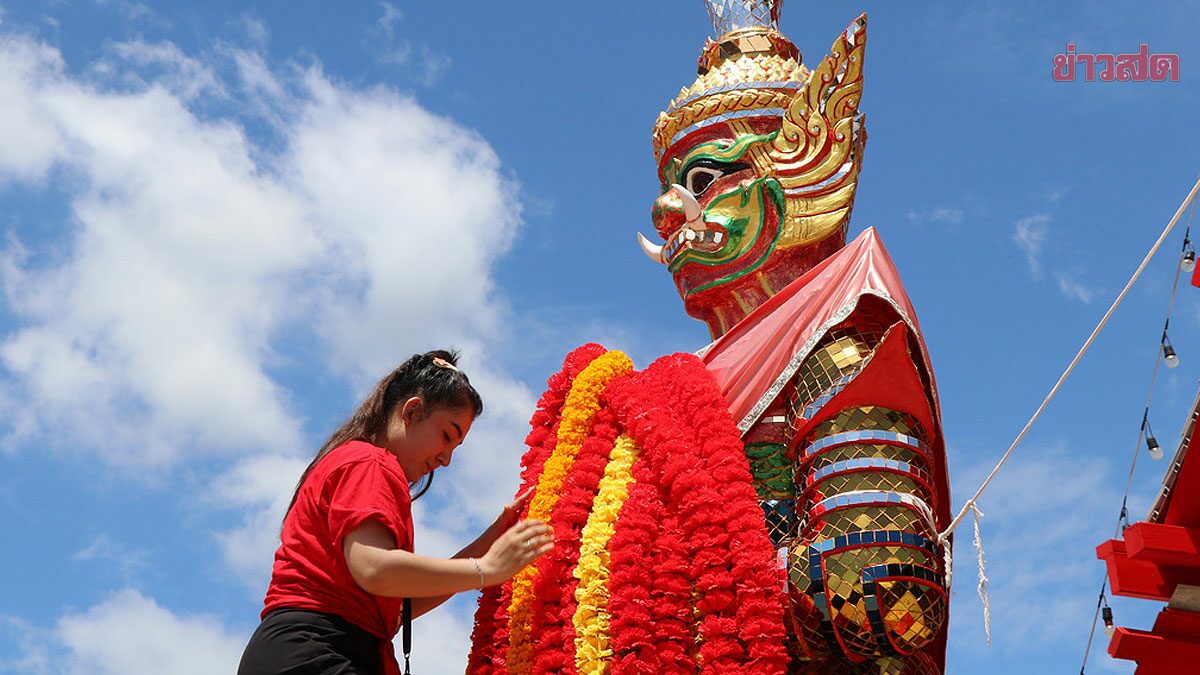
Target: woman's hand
pixel 512 510
pixel 520 545
pixel 508 517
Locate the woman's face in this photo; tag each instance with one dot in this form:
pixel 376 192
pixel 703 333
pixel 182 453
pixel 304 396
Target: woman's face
pixel 424 439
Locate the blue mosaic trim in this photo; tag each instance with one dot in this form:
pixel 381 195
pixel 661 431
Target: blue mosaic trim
pixel 731 87
pixel 780 517
pixel 865 497
pixel 816 584
pixel 816 551
pixel 726 117
pixel 863 463
pixel 836 388
pixel 867 436
pixel 879 537
pixel 892 570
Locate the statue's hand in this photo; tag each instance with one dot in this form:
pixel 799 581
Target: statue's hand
pixel 870 592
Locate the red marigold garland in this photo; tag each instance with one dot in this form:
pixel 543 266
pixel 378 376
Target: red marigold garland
pixel 490 636
pixel 578 415
pixel 693 581
pixel 553 606
pixel 649 612
pixel 674 411
pixel 650 593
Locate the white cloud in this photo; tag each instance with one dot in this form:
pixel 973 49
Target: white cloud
pixel 151 335
pixel 255 29
pixel 29 653
pixel 442 638
pixel 1074 289
pixel 193 252
pixel 29 141
pixel 1030 236
pixel 1040 533
pixel 1054 195
pixel 387 22
pixel 259 489
pixel 423 64
pixel 168 66
pixel 415 213
pixel 942 215
pixel 129 564
pixel 195 257
pixel 135 13
pixel 130 634
pixel 125 634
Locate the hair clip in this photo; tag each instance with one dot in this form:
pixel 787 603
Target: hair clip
pixel 443 363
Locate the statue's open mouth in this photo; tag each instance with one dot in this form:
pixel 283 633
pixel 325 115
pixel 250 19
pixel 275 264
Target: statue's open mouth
pixel 694 234
pixel 708 240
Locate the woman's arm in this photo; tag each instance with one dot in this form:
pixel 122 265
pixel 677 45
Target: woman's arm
pixel 382 569
pixel 476 549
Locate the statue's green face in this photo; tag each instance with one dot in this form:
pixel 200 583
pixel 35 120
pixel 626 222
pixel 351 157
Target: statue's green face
pixel 740 212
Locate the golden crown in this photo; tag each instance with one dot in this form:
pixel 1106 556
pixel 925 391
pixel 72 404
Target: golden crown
pixel 749 69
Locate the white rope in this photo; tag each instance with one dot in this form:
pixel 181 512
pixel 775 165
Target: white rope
pixel 943 537
pixel 982 590
pixel 948 560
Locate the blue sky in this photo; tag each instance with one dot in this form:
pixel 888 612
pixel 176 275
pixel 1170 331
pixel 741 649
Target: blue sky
pixel 222 221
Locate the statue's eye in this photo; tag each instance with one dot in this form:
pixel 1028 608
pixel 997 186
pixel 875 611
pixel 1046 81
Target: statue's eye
pixel 700 177
pixel 702 173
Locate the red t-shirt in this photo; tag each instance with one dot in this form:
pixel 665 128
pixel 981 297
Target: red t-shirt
pixel 354 483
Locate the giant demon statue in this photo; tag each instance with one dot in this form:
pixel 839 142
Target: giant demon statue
pixel 816 345
pixel 828 431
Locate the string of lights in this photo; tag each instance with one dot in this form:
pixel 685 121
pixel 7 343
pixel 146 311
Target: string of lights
pixel 1164 355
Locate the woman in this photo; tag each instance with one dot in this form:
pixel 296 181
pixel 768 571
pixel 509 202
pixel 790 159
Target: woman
pixel 345 562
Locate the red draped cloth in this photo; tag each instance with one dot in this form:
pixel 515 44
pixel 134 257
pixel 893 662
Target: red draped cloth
pixel 757 357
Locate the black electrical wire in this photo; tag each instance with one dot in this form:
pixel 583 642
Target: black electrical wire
pixel 1123 517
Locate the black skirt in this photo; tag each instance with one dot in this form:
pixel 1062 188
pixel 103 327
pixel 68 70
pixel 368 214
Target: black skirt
pixel 301 642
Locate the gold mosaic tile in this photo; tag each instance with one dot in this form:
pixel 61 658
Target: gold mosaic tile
pixel 914 613
pixel 868 417
pixel 872 480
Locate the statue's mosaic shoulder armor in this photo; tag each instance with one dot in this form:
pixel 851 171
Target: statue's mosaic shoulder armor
pixel 846 463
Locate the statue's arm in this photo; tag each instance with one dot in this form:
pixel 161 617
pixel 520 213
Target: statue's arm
pixel 864 568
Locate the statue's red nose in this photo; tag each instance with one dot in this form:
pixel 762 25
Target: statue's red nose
pixel 667 214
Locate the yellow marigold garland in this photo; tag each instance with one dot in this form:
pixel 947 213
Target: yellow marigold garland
pixel 591 615
pixel 582 403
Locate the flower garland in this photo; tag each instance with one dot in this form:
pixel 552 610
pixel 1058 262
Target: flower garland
pixel 591 617
pixel 581 405
pixel 673 568
pixel 649 594
pixel 723 510
pixel 553 605
pixel 677 415
pixel 490 636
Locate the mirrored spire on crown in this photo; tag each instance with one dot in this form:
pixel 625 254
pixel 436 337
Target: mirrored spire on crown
pixel 732 15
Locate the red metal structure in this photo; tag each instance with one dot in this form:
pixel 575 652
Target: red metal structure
pixel 1159 560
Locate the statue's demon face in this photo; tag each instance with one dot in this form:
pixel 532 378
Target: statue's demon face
pixel 718 215
pixel 755 194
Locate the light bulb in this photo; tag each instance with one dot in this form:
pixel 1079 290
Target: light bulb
pixel 1189 261
pixel 1169 356
pixel 1152 445
pixel 1109 628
